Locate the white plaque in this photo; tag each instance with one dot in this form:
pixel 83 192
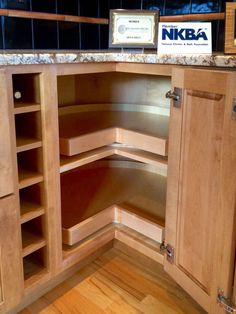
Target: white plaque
pixel 133 28
pixel 180 38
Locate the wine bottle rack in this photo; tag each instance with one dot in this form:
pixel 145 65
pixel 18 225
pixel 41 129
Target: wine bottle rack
pixel 30 163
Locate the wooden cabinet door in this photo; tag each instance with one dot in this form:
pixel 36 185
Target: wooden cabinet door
pixel 6 172
pixel 200 214
pixel 11 270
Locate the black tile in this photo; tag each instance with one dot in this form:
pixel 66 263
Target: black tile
pixel 16 4
pixel 68 35
pixel 89 8
pixel 104 36
pixel 154 5
pixel 17 33
pixel 132 4
pixel 44 6
pixel 220 36
pixel 68 7
pixel 89 36
pixel 1 33
pixel 103 9
pixel 204 6
pixel 177 7
pixel 45 34
pixel 115 4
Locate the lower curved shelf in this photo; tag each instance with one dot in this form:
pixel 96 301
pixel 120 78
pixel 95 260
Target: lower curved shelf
pixel 105 192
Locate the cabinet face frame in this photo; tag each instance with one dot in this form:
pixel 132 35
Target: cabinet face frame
pixel 219 88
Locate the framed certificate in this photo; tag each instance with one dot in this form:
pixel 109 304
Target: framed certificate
pixel 133 28
pixel 230 28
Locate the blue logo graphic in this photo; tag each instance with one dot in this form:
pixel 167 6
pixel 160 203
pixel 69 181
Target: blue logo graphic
pixel 183 34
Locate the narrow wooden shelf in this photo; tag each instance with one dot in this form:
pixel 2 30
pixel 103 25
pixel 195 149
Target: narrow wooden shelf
pixel 84 131
pixel 30 210
pixel 27 178
pixel 26 107
pixel 31 242
pixel 69 163
pixel 24 143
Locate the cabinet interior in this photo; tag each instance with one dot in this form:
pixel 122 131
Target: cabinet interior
pixel 113 131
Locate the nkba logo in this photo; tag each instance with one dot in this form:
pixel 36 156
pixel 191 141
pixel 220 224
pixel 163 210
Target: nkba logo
pixel 183 34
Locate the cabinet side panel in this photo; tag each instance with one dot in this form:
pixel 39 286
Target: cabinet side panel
pixel 6 173
pixel 1 292
pixel 10 260
pixel 199 181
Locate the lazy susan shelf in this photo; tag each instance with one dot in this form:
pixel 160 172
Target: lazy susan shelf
pixel 84 131
pixel 91 195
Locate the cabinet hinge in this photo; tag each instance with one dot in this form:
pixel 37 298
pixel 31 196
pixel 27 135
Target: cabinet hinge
pixel 169 250
pixel 234 109
pixel 225 302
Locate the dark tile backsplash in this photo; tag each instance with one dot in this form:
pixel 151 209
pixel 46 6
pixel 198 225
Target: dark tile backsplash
pixel 44 6
pixel 19 33
pixel 69 35
pixel 45 34
pixel 70 7
pixel 90 36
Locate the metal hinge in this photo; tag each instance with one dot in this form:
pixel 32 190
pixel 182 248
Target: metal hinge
pixel 176 96
pixel 233 114
pixel 169 250
pixel 225 302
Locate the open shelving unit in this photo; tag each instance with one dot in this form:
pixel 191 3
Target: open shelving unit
pixel 29 148
pixel 113 134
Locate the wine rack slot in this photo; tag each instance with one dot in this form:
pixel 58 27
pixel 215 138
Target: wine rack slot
pixel 34 266
pixel 28 131
pixel 26 88
pixel 32 236
pixel 31 202
pixel 30 167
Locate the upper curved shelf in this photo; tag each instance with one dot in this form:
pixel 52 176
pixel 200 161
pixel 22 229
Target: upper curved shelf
pixel 84 131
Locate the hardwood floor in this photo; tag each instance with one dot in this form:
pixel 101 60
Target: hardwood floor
pixel 116 283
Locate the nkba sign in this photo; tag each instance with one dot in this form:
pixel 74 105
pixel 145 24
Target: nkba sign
pixel 182 38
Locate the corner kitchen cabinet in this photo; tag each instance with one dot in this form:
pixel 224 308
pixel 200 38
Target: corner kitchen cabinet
pixel 100 155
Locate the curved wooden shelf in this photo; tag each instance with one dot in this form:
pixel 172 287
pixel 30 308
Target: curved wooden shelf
pixel 72 162
pixel 93 195
pixel 84 131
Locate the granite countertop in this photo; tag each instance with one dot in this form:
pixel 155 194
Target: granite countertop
pixel 22 58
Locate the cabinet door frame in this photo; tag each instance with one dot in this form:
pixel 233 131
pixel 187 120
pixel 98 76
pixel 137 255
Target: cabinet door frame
pixel 210 82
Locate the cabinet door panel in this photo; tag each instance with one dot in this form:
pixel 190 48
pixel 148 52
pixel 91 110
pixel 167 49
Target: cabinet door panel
pixel 199 184
pixel 6 172
pixel 196 191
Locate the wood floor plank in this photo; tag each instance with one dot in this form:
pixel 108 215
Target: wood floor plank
pixel 116 283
